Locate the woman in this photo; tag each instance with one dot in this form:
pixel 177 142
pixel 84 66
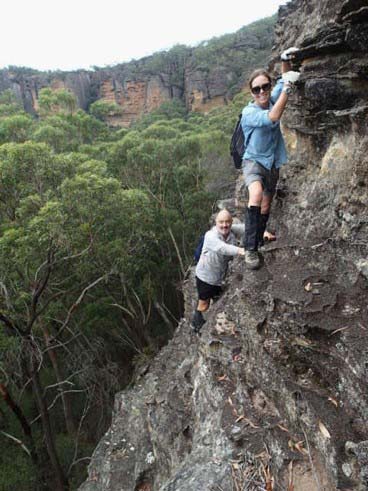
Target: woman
pixel 264 150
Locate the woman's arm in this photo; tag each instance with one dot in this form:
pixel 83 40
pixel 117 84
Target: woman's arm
pixel 279 106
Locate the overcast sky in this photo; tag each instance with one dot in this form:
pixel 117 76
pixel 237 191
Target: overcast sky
pixel 72 34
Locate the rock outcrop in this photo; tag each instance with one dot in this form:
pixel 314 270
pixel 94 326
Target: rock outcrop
pixel 202 78
pixel 273 395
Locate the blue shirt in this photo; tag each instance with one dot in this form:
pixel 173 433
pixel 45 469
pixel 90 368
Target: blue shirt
pixel 266 144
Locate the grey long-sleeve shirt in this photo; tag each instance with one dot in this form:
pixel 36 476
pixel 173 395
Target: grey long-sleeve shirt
pixel 216 254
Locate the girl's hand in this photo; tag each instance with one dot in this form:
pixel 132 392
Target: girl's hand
pixel 289 53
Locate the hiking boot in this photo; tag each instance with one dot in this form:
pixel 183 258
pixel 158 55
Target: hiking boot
pixel 197 321
pixel 252 260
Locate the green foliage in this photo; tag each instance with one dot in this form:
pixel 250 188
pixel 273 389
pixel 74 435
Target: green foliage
pixel 102 110
pixel 53 136
pixel 236 54
pixel 8 97
pixel 56 101
pixel 160 131
pixel 15 128
pixel 65 133
pixel 16 469
pixel 9 104
pixel 167 111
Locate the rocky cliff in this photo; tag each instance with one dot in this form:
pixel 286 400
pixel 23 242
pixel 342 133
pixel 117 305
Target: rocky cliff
pixel 203 77
pixel 273 395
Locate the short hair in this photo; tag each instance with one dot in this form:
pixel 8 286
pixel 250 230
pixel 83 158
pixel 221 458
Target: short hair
pixel 257 73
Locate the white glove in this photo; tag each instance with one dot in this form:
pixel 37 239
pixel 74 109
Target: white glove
pixel 289 53
pixel 290 77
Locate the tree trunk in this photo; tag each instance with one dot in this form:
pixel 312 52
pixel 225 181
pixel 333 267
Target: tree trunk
pixel 17 411
pixel 66 400
pixel 61 482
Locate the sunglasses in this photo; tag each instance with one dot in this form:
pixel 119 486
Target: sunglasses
pixel 257 89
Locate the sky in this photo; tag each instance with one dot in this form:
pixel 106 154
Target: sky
pixel 75 34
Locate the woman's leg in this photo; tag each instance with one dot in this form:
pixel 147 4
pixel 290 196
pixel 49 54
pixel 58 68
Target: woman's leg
pixel 270 185
pixel 252 224
pixel 256 197
pixel 266 204
pixel 265 214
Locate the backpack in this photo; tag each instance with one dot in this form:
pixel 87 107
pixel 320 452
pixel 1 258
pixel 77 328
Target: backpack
pixel 237 144
pixel 198 249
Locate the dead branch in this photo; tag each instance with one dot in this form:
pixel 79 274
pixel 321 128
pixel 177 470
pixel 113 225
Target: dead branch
pixel 5 293
pixel 76 304
pixel 57 345
pixel 58 384
pixel 141 308
pixel 16 440
pixel 74 461
pixel 182 269
pixel 124 309
pixel 66 381
pixel 163 315
pixel 170 313
pixel 125 292
pixel 65 258
pixel 55 400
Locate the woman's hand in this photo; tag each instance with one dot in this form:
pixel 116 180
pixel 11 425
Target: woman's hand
pixel 289 53
pixel 290 77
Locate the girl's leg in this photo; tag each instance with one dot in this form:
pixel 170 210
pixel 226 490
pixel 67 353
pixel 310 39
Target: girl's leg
pixel 265 214
pixel 269 192
pixel 256 197
pixel 252 224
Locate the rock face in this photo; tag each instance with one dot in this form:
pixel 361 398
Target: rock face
pixel 203 77
pixel 26 85
pixel 273 395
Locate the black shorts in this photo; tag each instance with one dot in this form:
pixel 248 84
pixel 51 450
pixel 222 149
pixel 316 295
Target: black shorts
pixel 207 291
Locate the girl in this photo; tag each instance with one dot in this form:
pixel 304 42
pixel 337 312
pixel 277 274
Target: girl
pixel 265 150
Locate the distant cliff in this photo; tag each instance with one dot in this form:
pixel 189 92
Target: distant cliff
pixel 203 77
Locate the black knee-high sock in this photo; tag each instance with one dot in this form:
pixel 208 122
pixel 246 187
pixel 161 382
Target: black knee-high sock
pixel 252 221
pixel 262 227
